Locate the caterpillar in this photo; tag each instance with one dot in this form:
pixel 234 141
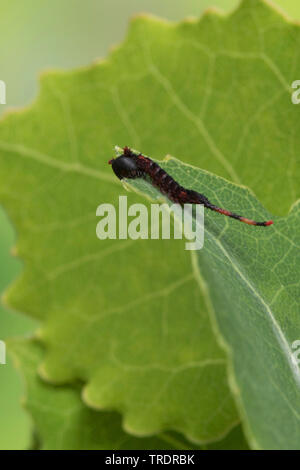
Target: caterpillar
pixel 132 165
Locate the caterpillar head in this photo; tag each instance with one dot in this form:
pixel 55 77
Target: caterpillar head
pixel 124 167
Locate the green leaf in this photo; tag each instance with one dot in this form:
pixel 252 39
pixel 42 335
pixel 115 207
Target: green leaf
pixel 128 318
pixel 148 350
pixel 64 422
pixel 251 275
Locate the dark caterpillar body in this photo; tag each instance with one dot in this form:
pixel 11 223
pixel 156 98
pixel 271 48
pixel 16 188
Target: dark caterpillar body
pixel 131 165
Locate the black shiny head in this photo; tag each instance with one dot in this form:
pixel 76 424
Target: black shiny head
pixel 124 167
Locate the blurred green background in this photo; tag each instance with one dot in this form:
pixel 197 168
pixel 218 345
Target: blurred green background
pixel 36 35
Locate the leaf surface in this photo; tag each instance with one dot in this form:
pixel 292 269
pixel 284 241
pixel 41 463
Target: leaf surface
pixel 62 420
pixel 252 277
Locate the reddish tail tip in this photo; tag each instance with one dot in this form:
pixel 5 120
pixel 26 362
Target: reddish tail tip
pixel 269 222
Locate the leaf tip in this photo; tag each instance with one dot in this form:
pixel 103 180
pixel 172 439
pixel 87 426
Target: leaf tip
pixel 215 11
pixel 149 17
pixel 42 372
pixel 4 299
pixel 14 251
